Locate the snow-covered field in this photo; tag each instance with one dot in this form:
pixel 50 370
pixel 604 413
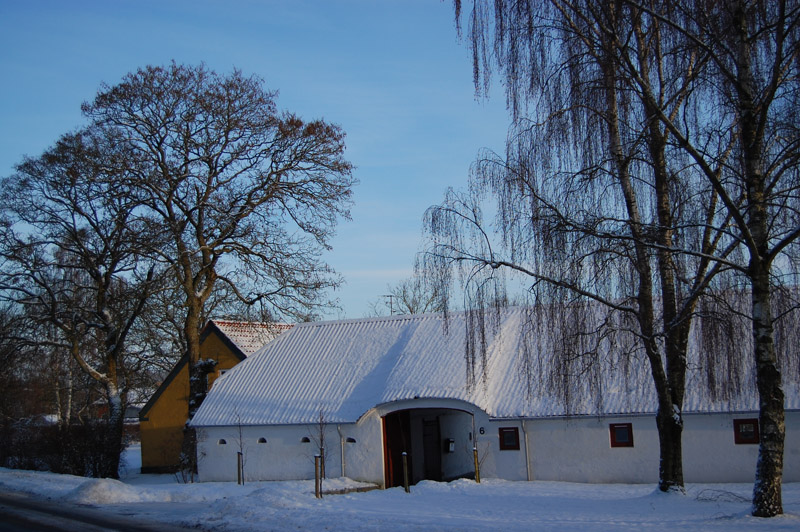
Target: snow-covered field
pixel 431 506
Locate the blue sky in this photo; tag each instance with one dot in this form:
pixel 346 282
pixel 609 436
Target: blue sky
pixel 392 73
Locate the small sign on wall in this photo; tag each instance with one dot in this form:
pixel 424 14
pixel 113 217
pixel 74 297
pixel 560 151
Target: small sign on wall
pixel 745 431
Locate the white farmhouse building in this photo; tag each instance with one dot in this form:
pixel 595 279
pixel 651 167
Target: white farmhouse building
pixel 375 388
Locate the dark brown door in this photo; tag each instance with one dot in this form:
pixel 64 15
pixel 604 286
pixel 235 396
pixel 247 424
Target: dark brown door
pixel 432 448
pixel 396 441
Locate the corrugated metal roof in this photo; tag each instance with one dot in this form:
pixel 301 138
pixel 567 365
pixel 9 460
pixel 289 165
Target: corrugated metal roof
pixel 345 368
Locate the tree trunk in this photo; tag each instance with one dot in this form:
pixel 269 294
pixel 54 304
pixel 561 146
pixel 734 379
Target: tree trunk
pixel 113 434
pixel 198 383
pixel 670 434
pixel 668 421
pixel 191 332
pixel 767 498
pixel 669 418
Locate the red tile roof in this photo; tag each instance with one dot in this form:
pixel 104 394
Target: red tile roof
pixel 250 336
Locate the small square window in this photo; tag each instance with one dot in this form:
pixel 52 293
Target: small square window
pixel 621 434
pixel 745 431
pixel 509 438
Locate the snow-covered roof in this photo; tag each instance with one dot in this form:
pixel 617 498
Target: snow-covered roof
pixel 249 336
pixel 345 368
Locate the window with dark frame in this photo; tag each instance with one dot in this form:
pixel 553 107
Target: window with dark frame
pixel 745 431
pixel 509 438
pixel 621 434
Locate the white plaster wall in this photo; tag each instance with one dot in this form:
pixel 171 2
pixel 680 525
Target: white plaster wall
pixel 494 463
pixel 579 450
pixel 283 457
pixel 573 449
pixel 711 455
pixel 458 427
pixel 286 457
pixel 364 458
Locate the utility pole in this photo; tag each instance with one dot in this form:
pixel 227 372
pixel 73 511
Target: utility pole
pixel 391 307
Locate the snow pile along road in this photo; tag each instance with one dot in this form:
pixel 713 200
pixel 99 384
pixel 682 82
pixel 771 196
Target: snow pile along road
pixel 461 505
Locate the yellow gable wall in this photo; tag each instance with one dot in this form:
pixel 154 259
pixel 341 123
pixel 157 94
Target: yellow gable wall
pixel 162 426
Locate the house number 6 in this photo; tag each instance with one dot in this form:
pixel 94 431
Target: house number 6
pixel 482 431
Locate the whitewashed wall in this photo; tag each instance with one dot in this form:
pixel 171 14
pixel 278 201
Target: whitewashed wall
pixel 364 458
pixel 564 449
pixel 457 426
pixel 579 450
pixel 710 454
pixel 285 456
pixel 494 462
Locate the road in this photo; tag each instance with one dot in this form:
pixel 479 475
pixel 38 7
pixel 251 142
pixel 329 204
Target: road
pixel 20 512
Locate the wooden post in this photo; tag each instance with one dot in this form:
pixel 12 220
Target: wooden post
pixel 405 472
pixel 317 478
pixel 239 468
pixel 477 465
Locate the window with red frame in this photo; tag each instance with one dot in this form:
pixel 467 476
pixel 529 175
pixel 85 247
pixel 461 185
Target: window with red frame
pixel 621 434
pixel 509 438
pixel 745 431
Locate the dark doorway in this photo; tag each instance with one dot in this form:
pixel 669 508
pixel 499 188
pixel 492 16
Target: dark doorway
pixel 432 449
pixel 396 441
pixel 437 443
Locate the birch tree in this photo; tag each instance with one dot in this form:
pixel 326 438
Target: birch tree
pixel 704 94
pixel 591 200
pixel 749 93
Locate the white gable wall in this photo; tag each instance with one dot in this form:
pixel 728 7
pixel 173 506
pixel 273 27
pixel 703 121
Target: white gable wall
pixel 285 456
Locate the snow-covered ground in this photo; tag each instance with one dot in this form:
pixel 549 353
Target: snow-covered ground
pixel 431 506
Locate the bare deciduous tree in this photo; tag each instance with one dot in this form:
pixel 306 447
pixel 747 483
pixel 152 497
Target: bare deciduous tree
pixel 246 196
pixel 71 252
pixel 409 296
pixel 318 437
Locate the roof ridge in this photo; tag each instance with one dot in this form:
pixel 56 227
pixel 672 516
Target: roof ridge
pixel 372 319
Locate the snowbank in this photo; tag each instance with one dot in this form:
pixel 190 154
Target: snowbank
pixel 431 506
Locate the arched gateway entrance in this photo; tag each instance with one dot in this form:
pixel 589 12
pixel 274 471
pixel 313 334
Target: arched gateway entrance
pixel 437 443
